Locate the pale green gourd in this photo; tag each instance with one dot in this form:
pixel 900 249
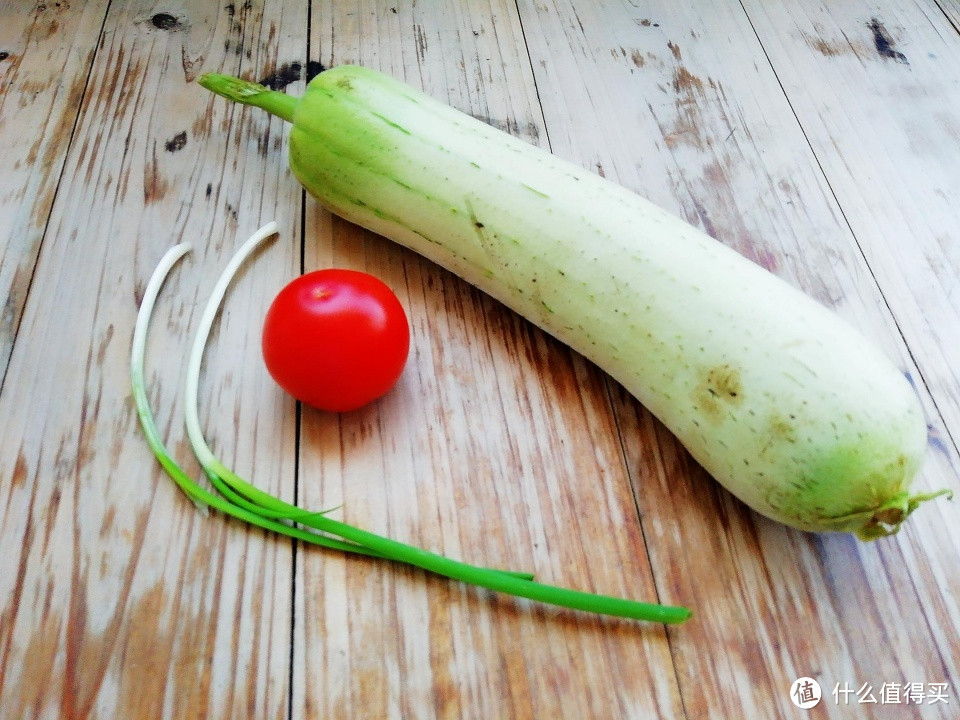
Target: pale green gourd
pixel 785 404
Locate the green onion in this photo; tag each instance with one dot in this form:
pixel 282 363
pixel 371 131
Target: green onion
pixel 230 503
pixel 197 494
pixel 245 501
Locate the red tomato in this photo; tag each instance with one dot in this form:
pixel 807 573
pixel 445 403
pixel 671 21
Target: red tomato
pixel 336 339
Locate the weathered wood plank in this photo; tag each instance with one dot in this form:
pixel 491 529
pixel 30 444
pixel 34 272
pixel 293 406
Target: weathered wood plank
pixel 754 120
pixel 45 56
pixel 682 106
pixel 497 447
pixel 118 598
pixel 951 8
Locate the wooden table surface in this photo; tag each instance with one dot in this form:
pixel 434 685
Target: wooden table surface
pixel 821 139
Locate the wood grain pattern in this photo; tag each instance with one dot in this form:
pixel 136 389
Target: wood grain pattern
pixel 819 139
pixel 122 600
pixel 950 8
pixel 46 59
pixel 740 167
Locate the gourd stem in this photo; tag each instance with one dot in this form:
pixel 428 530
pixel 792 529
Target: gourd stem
pixel 250 93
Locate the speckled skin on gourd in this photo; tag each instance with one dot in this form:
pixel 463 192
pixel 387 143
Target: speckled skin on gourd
pixel 790 408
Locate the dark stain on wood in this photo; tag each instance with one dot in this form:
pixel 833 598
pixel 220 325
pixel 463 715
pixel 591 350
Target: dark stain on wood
pixel 936 441
pixel 705 222
pixel 737 235
pixel 884 43
pixel 512 126
pixel 9 316
pixel 881 43
pixel 52 28
pixel 690 94
pixel 421 42
pixel 20 471
pixel 686 128
pixel 909 377
pixel 155 186
pixel 823 47
pixel 263 142
pixel 763 257
pixel 686 82
pixel 231 8
pixel 177 142
pixel 236 26
pixel 284 75
pixel 314 68
pixel 41 651
pixel 165 21
pixel 201 125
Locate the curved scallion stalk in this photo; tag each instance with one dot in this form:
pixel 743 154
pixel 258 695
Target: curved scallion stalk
pixel 230 503
pixel 240 493
pixel 191 489
pixel 496 580
pixel 206 457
